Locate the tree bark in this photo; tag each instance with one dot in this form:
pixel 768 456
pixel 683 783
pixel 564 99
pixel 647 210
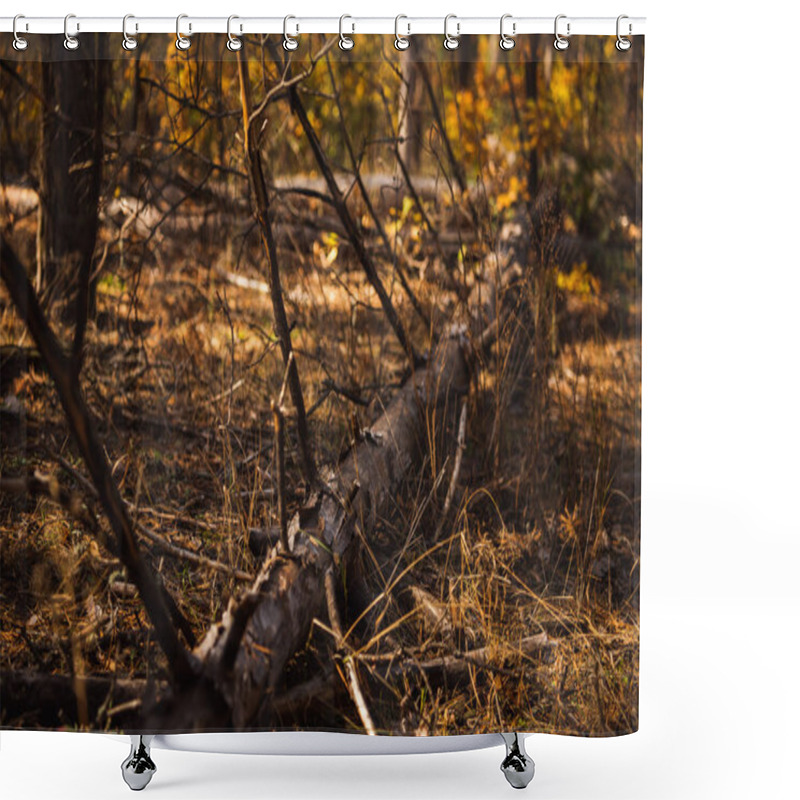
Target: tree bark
pixel 410 115
pixel 71 172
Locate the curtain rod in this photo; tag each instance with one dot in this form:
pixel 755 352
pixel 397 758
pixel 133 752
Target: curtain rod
pixel 453 26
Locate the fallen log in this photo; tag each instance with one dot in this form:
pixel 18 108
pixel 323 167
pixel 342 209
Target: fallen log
pixel 49 701
pixel 243 655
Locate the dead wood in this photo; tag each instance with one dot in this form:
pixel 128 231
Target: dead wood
pixel 289 592
pixel 434 614
pixel 261 540
pixel 451 490
pixel 457 666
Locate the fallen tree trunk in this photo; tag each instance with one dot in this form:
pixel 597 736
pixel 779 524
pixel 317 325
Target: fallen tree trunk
pixel 243 656
pixel 51 700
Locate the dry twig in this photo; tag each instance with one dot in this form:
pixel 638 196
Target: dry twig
pixel 451 490
pixel 352 674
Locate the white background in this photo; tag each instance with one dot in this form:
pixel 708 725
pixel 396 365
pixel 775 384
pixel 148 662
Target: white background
pixel 720 530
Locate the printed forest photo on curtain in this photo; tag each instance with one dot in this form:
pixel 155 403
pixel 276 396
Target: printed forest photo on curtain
pixel 320 386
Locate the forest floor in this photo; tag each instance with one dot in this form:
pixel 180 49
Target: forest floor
pixel 181 366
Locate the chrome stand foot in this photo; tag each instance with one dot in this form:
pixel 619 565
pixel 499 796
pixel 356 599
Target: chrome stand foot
pixel 138 768
pixel 517 766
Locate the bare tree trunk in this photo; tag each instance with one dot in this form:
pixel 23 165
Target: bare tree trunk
pixel 467 56
pixel 71 172
pixel 532 98
pixel 410 115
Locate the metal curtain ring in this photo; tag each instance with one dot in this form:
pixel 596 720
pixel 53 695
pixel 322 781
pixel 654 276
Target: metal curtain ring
pixel 128 42
pixel 182 42
pixel 561 43
pixel 401 42
pixel 451 42
pixel 623 44
pixel 289 44
pixel 345 42
pixel 70 42
pixel 506 42
pixel 234 43
pixel 19 43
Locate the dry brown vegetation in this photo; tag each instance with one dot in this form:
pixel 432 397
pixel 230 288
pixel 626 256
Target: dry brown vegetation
pixel 540 537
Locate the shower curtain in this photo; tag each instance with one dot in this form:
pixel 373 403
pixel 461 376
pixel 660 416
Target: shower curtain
pixel 321 371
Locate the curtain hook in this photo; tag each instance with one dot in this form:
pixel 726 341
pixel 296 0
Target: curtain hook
pixel 182 42
pixel 623 44
pixel 507 42
pixel 451 42
pixel 345 42
pixel 19 43
pixel 289 43
pixel 128 42
pixel 234 43
pixel 401 42
pixel 561 43
pixel 70 42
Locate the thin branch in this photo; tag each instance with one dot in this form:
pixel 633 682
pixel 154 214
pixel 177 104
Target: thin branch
pixel 255 169
pixel 451 490
pixel 188 555
pixel 162 543
pixel 457 666
pixel 280 460
pixel 353 233
pixel 39 484
pixel 280 466
pixel 455 164
pixel 83 429
pixel 391 251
